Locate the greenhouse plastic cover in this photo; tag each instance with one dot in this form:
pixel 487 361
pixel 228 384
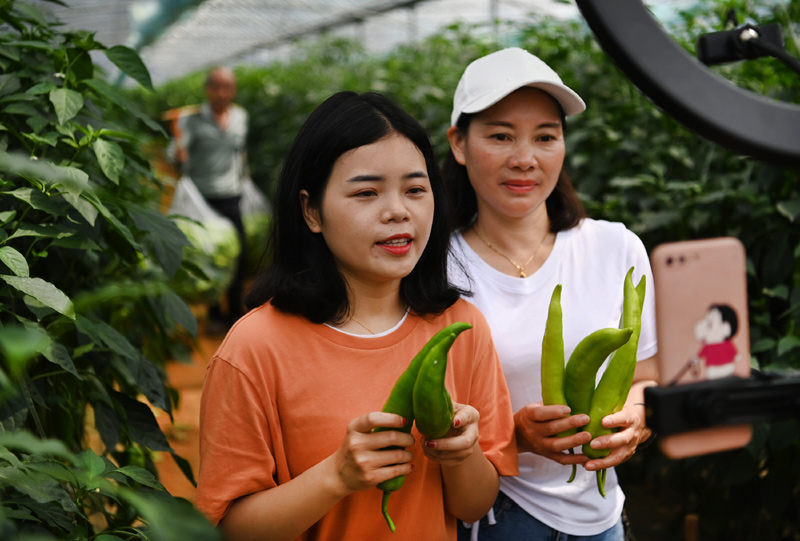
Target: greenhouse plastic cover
pixel 177 37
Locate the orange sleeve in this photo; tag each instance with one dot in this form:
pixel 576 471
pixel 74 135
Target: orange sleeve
pixel 234 431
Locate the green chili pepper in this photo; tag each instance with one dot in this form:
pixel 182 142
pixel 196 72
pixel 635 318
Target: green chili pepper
pixel 553 354
pixel 615 383
pixel 552 366
pixel 400 401
pixel 587 357
pixel 433 407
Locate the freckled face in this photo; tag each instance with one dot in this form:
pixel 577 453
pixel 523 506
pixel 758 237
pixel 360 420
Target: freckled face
pixel 513 153
pixel 377 210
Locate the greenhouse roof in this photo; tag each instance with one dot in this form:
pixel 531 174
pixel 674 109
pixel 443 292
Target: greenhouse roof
pixel 177 37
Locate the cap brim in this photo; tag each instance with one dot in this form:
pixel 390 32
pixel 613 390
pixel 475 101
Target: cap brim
pixel 567 98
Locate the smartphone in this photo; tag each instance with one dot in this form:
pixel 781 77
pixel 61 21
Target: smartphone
pixel 702 327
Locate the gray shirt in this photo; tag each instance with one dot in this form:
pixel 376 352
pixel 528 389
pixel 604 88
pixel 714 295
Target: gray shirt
pixel 215 157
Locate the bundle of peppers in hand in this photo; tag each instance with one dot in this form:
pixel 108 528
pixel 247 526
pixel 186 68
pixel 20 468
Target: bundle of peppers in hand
pixel 419 395
pixel 574 385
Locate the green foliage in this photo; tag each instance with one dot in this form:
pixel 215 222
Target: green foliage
pixel 86 324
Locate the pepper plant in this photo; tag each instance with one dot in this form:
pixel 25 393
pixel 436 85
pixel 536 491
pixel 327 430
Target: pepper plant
pixel 86 320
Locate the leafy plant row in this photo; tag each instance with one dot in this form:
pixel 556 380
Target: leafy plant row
pixel 87 318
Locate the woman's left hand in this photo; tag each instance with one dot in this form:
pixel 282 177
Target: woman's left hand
pixel 631 424
pixel 460 443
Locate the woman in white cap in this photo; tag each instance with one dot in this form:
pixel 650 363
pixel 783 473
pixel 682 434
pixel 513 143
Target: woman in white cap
pixel 520 231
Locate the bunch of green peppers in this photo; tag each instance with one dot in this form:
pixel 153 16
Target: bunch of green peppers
pixel 574 385
pixel 419 395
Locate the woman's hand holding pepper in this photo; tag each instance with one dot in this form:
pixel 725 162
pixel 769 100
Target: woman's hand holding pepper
pixel 632 431
pixel 470 480
pixel 536 427
pixel 460 442
pixel 362 461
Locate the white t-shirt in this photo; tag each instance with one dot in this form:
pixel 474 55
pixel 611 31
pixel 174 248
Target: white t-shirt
pixel 590 261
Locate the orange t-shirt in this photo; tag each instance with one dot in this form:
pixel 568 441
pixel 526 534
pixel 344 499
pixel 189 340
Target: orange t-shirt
pixel 280 392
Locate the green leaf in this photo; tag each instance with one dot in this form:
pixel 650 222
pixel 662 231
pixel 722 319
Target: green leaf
pixel 129 62
pixel 53 351
pixel 150 381
pixel 36 199
pixel 142 425
pixel 94 467
pixel 116 225
pixel 31 44
pixel 167 240
pixel 18 108
pixel 787 344
pixel 104 90
pixel 9 83
pixel 41 88
pixel 19 345
pixel 790 209
pixel 32 13
pixel 49 139
pixel 67 103
pixel 140 475
pixel 107 423
pixel 72 179
pixel 176 311
pixel 84 207
pixel 170 518
pixel 42 291
pixel 10 52
pixel 25 441
pixel 110 157
pixel 103 333
pixel 14 261
pixel 6 216
pixel 186 467
pixel 35 230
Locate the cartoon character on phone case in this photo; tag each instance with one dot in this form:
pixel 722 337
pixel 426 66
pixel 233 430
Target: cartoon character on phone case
pixel 715 332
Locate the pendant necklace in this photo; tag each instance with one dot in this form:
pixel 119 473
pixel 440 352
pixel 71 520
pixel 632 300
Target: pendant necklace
pixel 520 268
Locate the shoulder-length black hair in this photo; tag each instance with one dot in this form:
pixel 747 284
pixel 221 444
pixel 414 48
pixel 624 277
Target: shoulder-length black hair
pixel 302 277
pixel 564 208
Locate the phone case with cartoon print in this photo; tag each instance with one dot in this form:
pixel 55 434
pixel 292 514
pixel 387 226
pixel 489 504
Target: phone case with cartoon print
pixel 702 326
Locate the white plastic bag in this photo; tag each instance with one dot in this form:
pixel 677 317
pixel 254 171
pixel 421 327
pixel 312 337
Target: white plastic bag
pixel 214 244
pixel 253 199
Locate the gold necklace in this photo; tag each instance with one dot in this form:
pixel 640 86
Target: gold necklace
pixel 357 321
pixel 520 268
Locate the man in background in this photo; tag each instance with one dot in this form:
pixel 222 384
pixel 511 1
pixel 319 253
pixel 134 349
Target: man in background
pixel 209 148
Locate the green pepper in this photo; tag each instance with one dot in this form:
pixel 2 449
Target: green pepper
pixel 552 366
pixel 587 357
pixel 615 383
pixel 433 407
pixel 553 354
pixel 400 401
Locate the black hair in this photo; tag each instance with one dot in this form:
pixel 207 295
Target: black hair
pixel 564 208
pixel 302 277
pixel 728 316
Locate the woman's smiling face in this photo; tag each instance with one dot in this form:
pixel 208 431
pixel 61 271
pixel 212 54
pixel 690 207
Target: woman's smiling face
pixel 513 152
pixel 376 211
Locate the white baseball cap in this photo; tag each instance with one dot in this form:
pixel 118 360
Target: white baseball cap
pixel 491 78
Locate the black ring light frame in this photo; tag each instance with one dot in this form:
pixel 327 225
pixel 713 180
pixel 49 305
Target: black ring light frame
pixel 706 103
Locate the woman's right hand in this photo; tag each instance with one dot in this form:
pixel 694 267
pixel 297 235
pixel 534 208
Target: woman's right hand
pixel 536 426
pixel 362 461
